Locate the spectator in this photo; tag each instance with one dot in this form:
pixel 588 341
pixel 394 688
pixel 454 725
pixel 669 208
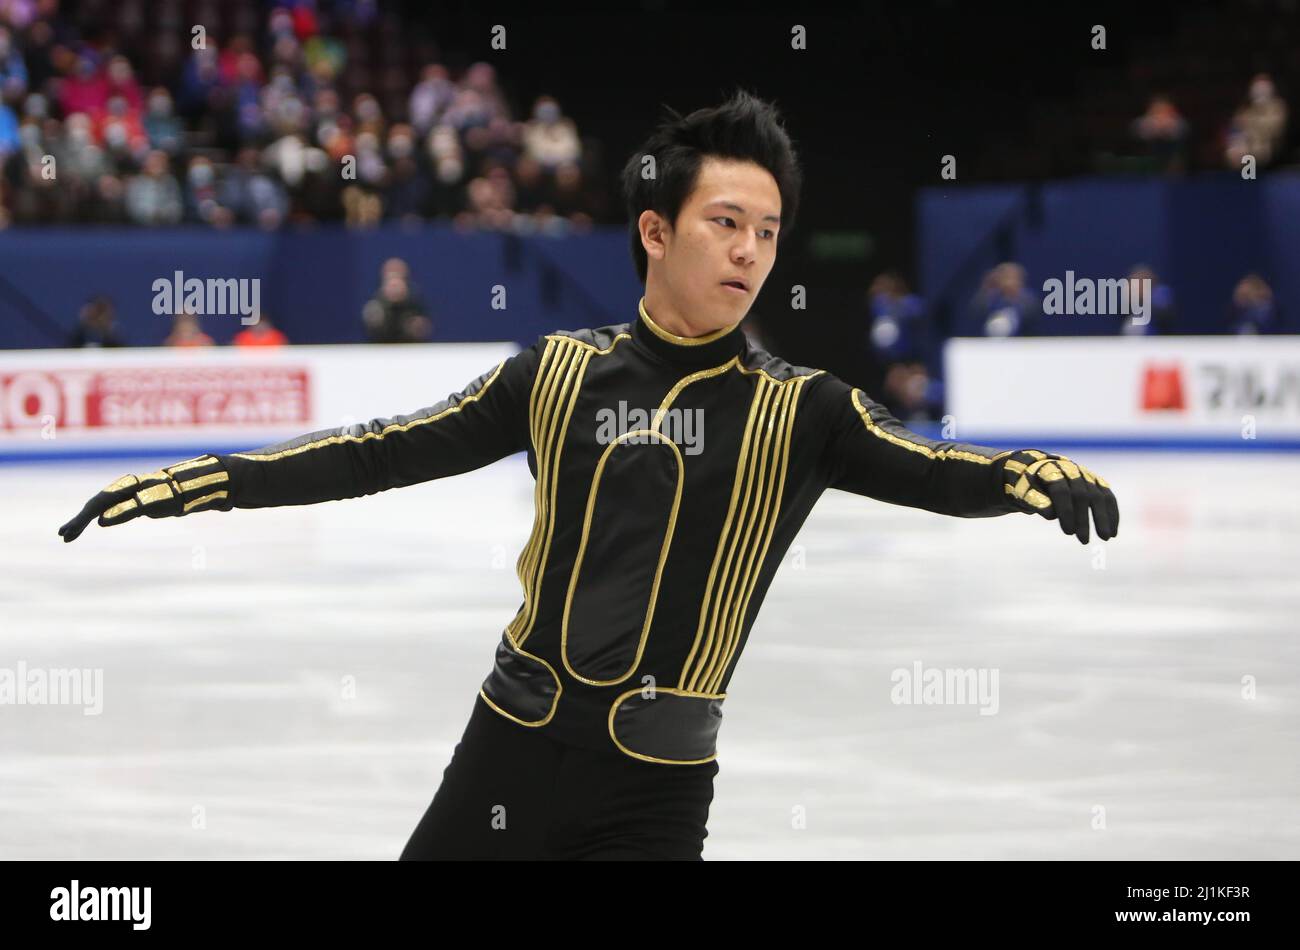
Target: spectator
pixel 202 202
pixel 1163 133
pixel 1259 126
pixel 85 89
pixel 253 196
pixel 261 333
pixel 1004 306
pixel 13 71
pixel 550 139
pixel 430 98
pixel 160 123
pixel 9 139
pixel 909 392
pixel 899 340
pixel 898 332
pixel 96 326
pixel 1253 309
pixel 570 198
pixel 1160 320
pixel 118 128
pixel 396 314
pixel 153 196
pixel 121 81
pixel 201 81
pixel 186 332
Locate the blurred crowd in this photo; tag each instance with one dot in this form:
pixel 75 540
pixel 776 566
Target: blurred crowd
pixel 1257 130
pixel 396 313
pixel 295 113
pixel 97 327
pixel 904 340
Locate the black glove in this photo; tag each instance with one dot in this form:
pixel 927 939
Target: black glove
pixel 198 484
pixel 1057 488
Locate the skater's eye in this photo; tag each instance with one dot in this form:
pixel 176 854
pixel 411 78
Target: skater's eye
pixel 767 233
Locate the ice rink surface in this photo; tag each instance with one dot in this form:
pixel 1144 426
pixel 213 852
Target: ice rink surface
pixel 290 683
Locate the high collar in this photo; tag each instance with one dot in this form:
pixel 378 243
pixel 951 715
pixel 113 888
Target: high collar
pixel 712 349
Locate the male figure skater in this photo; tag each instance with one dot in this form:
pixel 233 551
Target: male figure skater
pixel 594 734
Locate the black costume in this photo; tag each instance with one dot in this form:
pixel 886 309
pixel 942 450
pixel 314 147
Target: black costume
pixel 647 563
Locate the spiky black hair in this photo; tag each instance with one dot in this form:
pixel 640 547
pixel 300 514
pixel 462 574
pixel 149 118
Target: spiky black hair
pixel 743 128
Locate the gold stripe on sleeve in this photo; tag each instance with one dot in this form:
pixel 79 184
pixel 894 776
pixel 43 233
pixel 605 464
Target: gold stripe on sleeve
pixel 395 427
pixel 941 454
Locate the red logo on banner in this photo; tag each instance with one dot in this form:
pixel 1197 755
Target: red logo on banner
pixel 162 396
pixel 1162 388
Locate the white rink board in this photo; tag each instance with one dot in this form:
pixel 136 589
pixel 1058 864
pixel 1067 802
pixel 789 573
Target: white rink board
pixel 1119 387
pixel 187 401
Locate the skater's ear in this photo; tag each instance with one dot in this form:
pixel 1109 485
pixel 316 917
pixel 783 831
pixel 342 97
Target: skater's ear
pixel 655 234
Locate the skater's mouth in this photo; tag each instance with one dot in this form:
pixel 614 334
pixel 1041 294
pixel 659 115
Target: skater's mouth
pixel 736 284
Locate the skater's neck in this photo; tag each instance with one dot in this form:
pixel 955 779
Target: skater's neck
pixel 685 325
pixel 691 347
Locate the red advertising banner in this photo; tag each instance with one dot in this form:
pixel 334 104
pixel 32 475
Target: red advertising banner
pixel 141 397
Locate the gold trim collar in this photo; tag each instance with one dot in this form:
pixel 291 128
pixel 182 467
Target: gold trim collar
pixel 681 340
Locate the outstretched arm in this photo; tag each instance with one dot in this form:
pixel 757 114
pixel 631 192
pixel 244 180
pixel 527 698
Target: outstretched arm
pixel 486 421
pixel 869 452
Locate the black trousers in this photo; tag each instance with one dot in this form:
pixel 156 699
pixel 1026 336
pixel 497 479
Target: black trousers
pixel 511 792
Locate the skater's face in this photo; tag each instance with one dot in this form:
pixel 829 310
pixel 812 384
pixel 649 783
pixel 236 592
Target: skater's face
pixel 726 232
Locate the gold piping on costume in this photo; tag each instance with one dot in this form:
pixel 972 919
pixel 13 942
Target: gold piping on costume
pixel 582 547
pixel 941 454
pixel 686 381
pixel 761 492
pixel 737 480
pixel 760 370
pixel 613 709
pixel 595 351
pixel 757 490
pixel 557 355
pixel 549 388
pixel 681 340
pixel 555 700
pixel 789 420
pixel 549 435
pixel 395 427
pixel 720 601
pixel 191 505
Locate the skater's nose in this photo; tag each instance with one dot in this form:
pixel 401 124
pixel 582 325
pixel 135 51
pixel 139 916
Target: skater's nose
pixel 745 247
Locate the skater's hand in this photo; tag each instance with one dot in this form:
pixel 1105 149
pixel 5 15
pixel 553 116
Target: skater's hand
pixel 197 484
pixel 1059 489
